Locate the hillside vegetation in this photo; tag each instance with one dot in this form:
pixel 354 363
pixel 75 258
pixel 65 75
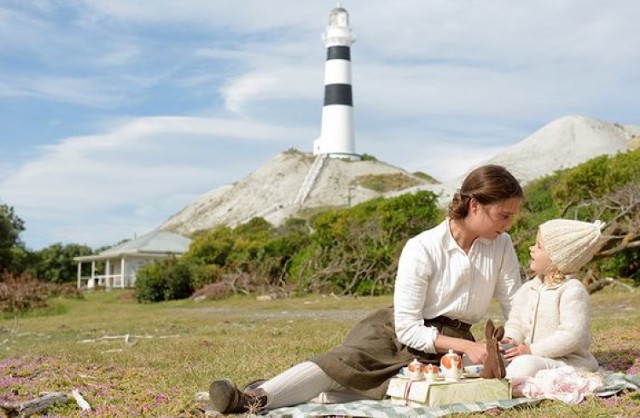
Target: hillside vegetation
pixel 355 250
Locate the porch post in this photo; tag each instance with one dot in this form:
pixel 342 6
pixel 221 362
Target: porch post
pixel 79 274
pixel 122 265
pixel 107 278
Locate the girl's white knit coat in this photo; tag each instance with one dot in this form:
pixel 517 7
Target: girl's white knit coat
pixel 553 321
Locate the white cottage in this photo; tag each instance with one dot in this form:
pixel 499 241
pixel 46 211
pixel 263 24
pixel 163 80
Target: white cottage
pixel 122 262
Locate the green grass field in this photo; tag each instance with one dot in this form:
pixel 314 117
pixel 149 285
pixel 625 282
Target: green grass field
pixel 175 349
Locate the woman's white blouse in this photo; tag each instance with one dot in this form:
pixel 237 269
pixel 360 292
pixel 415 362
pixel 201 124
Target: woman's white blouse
pixel 436 277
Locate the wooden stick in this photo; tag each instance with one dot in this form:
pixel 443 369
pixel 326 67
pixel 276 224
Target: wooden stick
pixel 126 338
pixel 28 408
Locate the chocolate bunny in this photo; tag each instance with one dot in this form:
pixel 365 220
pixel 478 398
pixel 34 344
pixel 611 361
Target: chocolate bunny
pixel 494 364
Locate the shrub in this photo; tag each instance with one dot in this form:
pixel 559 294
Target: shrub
pixel 22 293
pixel 179 280
pixel 355 250
pixel 205 274
pixel 25 293
pixel 602 188
pixel 212 247
pixel 151 283
pixel 166 280
pixel 596 177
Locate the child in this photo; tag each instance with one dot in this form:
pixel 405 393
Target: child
pixel 549 322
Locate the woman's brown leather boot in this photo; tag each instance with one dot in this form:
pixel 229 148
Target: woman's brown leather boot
pixel 225 397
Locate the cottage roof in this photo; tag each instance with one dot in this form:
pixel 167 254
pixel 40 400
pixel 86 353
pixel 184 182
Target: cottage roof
pixel 154 243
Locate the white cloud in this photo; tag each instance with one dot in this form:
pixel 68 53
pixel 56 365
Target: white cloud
pixel 137 173
pixel 438 85
pixel 248 16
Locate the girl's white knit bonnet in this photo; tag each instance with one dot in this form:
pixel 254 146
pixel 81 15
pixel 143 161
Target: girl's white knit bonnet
pixel 571 244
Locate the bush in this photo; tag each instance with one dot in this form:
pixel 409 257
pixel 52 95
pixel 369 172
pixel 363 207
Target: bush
pixel 151 283
pixel 601 188
pixel 167 280
pixel 179 280
pixel 205 274
pixel 355 250
pixel 212 247
pixel 596 177
pixel 23 293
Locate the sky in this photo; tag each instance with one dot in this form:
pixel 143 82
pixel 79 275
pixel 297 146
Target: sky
pixel 114 115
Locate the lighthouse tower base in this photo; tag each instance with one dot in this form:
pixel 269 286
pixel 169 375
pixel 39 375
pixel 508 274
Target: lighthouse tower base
pixel 317 150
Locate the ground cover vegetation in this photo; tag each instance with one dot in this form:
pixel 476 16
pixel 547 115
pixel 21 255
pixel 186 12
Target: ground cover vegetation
pixel 130 359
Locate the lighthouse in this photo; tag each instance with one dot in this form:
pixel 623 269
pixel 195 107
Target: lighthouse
pixel 337 138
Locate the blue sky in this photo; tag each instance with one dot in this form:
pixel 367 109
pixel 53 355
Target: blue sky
pixel 116 114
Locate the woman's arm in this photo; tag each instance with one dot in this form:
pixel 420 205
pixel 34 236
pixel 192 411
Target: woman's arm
pixel 411 287
pixel 477 352
pixel 415 270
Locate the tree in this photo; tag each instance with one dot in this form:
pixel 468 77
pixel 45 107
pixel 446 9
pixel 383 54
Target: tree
pixel 10 228
pixel 55 263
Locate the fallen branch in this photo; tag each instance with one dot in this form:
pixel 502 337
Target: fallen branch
pixel 126 338
pixel 599 284
pixel 28 408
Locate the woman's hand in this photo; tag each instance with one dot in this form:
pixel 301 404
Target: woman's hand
pixel 477 352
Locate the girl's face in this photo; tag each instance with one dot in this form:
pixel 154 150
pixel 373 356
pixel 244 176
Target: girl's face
pixel 489 221
pixel 540 261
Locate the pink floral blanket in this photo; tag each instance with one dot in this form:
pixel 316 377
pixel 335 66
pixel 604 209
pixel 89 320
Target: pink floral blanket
pixel 565 384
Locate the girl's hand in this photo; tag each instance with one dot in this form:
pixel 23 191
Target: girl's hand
pixel 509 340
pixel 506 344
pixel 518 350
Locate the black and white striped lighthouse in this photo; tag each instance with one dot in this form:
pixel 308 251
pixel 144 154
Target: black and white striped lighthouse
pixel 337 138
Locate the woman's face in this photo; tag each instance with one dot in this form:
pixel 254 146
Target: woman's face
pixel 540 261
pixel 489 221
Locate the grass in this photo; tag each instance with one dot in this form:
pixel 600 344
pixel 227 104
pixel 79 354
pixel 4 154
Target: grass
pixel 176 349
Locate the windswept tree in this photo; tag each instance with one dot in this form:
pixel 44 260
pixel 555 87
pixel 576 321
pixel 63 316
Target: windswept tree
pixel 11 226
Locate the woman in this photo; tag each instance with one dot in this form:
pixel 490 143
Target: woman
pixel 446 279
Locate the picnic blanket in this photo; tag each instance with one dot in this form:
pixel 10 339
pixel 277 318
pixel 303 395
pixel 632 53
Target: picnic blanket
pixel 613 383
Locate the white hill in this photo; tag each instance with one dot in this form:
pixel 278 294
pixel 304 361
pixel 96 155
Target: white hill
pixel 563 143
pixel 273 191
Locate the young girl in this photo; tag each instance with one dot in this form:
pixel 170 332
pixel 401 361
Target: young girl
pixel 549 323
pixel 446 279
